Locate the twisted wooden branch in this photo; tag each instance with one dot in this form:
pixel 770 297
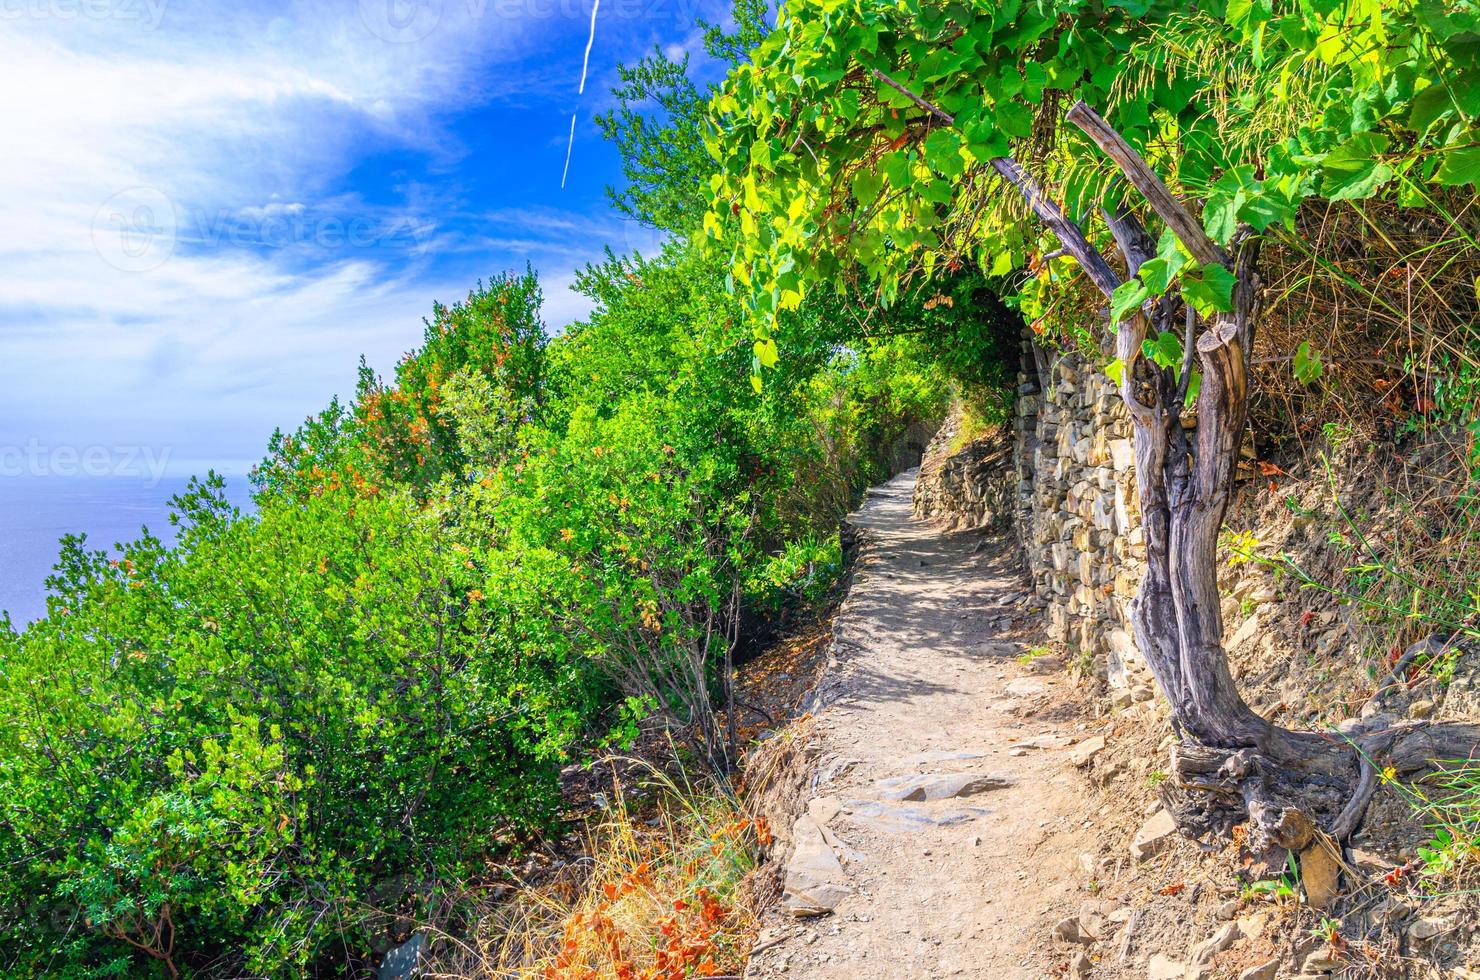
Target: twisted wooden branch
pixel 1187 228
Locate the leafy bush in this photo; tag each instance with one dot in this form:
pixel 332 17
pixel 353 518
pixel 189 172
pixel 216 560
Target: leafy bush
pixel 804 573
pixel 405 433
pixel 213 755
pixel 233 740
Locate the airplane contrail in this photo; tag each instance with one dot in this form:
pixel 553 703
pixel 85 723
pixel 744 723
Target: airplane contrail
pixel 581 90
pixel 590 40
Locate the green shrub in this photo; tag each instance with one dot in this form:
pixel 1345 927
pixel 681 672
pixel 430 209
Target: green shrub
pixel 224 746
pixel 213 755
pixel 804 573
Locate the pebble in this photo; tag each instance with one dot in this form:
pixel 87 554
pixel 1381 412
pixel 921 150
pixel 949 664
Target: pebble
pixel 1070 930
pixel 1264 971
pixel 1426 928
pixel 1153 837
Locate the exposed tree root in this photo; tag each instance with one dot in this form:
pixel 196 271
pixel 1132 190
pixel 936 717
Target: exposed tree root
pixel 1285 798
pixel 1355 811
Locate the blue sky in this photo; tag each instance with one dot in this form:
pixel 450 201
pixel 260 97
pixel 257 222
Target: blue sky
pixel 213 208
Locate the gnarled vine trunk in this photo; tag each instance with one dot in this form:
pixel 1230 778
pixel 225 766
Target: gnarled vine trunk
pixel 1230 765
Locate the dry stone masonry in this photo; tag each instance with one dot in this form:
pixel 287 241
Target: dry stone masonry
pixel 1065 472
pixel 1071 485
pixel 1078 516
pixel 966 484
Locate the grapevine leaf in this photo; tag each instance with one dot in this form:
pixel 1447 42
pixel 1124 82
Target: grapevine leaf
pixel 1128 296
pixel 1352 171
pixel 1308 367
pixel 1210 290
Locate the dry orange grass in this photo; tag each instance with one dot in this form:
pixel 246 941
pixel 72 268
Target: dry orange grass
pixel 661 896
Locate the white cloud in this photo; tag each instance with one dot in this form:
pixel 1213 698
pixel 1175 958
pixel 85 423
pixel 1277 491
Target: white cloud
pixel 213 140
pixel 563 305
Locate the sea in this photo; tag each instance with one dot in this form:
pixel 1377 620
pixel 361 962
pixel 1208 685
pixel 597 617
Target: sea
pixel 35 511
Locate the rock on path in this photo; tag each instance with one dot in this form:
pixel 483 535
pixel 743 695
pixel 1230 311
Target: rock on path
pixel 943 835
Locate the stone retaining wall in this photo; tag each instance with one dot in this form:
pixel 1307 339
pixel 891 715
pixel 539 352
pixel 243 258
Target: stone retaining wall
pixel 1078 515
pixel 1077 518
pixel 1071 487
pixel 966 486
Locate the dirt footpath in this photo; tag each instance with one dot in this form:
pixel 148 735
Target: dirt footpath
pixel 946 816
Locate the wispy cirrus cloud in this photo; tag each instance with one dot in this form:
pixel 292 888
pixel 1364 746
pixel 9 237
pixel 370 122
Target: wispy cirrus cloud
pixel 213 208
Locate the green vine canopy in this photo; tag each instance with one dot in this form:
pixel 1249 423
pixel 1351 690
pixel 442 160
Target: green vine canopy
pixel 865 139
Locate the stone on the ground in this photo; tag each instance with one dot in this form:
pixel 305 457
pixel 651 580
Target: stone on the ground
pixel 939 786
pixel 1203 953
pixel 1321 875
pixel 1154 836
pixel 1264 971
pixel 1426 928
pixel 1094 911
pixel 1079 965
pixel 815 880
pixel 1323 960
pixel 822 809
pixel 1368 862
pixel 1072 930
pixel 1082 753
pixel 898 818
pixel 1245 632
pixel 1045 742
pixel 1026 687
pixel 1163 967
pixel 1252 926
pixel 404 961
pixel 1392 911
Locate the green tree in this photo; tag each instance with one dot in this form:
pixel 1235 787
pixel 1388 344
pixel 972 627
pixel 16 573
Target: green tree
pixel 888 142
pixel 658 126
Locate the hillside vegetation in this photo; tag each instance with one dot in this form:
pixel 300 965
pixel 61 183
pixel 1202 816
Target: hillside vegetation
pixel 515 547
pixel 508 553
